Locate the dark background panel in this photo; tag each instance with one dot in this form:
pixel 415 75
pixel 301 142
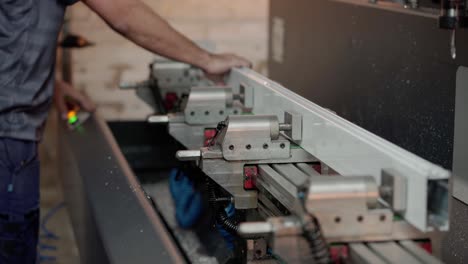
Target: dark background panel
pixel 389 72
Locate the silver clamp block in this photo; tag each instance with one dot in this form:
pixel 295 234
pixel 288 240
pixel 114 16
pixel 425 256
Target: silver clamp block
pixel 209 105
pixel 348 207
pixel 253 138
pixel 284 235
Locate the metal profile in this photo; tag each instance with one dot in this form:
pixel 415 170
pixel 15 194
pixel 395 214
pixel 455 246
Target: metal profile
pixel 343 146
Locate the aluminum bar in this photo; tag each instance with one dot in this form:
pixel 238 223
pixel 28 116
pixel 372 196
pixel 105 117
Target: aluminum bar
pixel 343 146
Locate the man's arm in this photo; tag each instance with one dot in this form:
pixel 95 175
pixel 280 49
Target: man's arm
pixel 140 24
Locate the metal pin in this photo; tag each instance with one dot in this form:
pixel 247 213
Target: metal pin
pixel 285 127
pixel 222 199
pixel 254 229
pixel 453 48
pixel 188 155
pixel 158 119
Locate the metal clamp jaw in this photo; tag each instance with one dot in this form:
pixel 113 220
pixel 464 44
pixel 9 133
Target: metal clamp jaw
pixel 348 208
pixel 205 107
pixel 284 235
pixel 167 81
pixel 177 77
pixel 245 140
pixel 210 105
pixel 257 137
pixel 252 138
pixel 337 209
pixel 325 209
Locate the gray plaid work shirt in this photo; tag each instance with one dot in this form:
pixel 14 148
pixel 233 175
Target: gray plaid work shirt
pixel 28 39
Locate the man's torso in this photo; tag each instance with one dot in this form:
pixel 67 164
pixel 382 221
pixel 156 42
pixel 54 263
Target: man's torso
pixel 28 36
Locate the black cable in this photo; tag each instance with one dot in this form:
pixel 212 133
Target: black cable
pixel 221 217
pixel 312 232
pixel 226 222
pixel 318 245
pixel 221 125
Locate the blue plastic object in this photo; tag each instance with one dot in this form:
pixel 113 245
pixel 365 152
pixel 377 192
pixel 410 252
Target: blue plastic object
pixel 188 202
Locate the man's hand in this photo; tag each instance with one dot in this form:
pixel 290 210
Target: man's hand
pixel 220 64
pixel 64 90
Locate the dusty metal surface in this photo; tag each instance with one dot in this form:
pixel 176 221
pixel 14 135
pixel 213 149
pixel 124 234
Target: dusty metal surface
pixel 389 72
pixel 391 252
pixel 454 245
pixel 115 221
pixel 460 155
pixel 202 244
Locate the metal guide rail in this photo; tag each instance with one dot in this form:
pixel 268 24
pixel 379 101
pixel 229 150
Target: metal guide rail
pixel 306 184
pixel 350 150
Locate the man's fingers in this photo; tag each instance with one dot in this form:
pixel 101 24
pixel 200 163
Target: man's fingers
pixel 61 106
pixel 240 62
pixel 84 101
pixel 221 64
pixel 216 78
pixel 237 61
pixel 87 104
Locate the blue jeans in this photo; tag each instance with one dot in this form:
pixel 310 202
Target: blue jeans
pixel 19 201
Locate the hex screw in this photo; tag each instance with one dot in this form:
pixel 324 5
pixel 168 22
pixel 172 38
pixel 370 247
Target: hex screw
pixel 360 218
pixel 231 147
pixel 383 217
pixel 248 146
pixel 265 146
pixel 282 145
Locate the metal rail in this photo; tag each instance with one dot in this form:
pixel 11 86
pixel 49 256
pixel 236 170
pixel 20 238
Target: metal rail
pixel 346 148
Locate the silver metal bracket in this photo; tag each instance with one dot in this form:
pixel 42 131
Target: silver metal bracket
pixel 347 207
pixel 294 120
pixel 393 190
pixel 284 234
pixel 253 138
pixel 209 105
pixel 247 98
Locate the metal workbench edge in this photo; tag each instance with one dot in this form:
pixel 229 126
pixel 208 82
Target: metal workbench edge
pixel 112 218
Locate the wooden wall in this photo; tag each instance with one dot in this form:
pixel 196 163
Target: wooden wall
pixel 232 26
